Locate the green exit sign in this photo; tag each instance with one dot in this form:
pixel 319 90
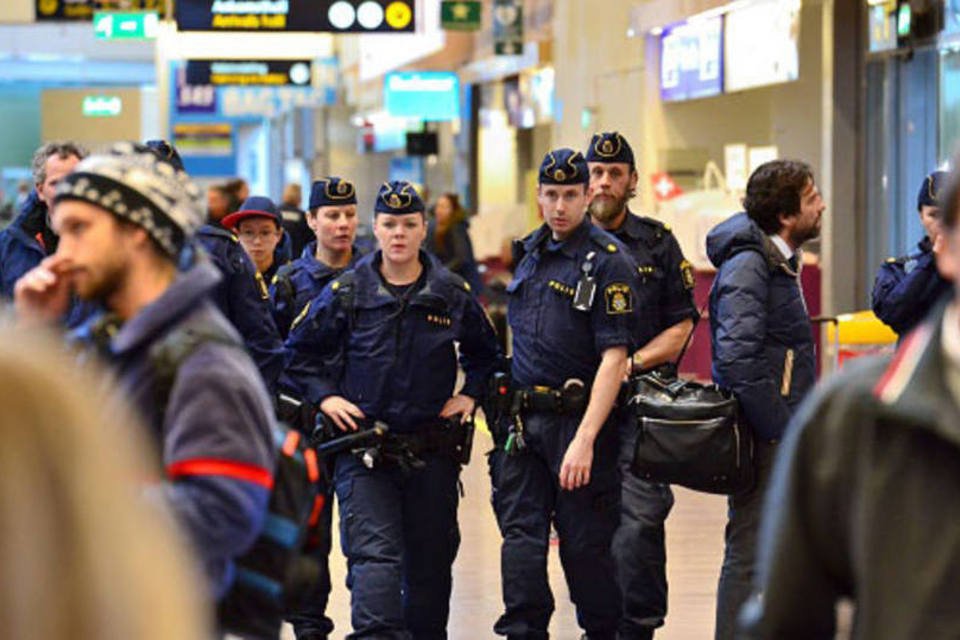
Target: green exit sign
pixel 102 106
pixel 125 25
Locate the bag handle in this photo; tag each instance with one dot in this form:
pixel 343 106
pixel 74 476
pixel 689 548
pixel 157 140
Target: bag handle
pixel 686 343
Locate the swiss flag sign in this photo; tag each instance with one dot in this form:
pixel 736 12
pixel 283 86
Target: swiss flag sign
pixel 664 188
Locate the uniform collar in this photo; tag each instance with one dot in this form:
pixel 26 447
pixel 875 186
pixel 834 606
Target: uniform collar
pixel 319 270
pixel 630 227
pixel 370 285
pixel 186 292
pixel 570 247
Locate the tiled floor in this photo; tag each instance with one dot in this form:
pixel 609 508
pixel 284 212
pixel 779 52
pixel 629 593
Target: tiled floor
pixel 694 549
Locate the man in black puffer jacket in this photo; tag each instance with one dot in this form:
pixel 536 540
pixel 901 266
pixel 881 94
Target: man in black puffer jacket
pixel 763 349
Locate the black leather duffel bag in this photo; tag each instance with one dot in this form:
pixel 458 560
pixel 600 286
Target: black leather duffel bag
pixel 689 434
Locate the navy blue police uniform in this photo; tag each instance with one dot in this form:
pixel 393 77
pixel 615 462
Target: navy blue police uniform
pixel 639 544
pixel 291 291
pixel 242 296
pixel 392 352
pixel 907 288
pixel 303 279
pixel 559 337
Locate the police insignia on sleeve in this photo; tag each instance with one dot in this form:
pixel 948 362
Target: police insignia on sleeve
pixel 300 316
pixel 619 299
pixel 686 273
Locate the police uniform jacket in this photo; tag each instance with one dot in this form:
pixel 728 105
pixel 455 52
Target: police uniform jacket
pixel 23 243
pixel 662 268
pixel 761 338
pixel 907 288
pixel 298 283
pixel 242 296
pixel 863 504
pixel 552 341
pixel 394 358
pixel 214 435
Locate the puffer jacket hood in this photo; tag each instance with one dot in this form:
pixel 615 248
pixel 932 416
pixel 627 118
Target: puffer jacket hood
pixel 736 234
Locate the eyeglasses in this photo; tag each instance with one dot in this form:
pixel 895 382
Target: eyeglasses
pixel 251 236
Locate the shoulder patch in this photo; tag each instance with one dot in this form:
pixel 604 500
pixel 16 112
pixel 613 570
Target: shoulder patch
pixel 619 298
pixel 686 274
pixel 611 248
pixel 300 316
pixel 334 285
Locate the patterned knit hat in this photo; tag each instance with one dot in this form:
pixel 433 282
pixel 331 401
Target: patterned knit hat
pixel 139 187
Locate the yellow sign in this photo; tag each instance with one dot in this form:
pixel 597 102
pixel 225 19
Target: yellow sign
pixel 398 15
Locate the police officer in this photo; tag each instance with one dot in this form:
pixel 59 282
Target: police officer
pixel 123 219
pixel 333 219
pixel 907 288
pixel 639 545
pixel 380 344
pixel 571 310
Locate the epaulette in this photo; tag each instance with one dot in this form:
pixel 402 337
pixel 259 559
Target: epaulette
pixel 657 225
pixel 455 280
pixel 603 239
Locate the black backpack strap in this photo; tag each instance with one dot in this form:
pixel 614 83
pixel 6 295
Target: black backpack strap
pixel 172 350
pixel 345 286
pixel 283 284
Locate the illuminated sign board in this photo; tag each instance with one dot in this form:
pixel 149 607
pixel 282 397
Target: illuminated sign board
pixel 118 25
pixel 427 95
pixel 102 106
pixel 760 43
pixel 691 60
pixel 338 16
pixel 249 73
pixel 84 9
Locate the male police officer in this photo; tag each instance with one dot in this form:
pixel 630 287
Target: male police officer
pixel 571 309
pixel 123 219
pixel 907 288
pixel 333 219
pixel 29 239
pixel 639 545
pixel 380 343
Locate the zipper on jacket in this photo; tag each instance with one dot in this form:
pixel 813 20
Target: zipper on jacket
pixel 787 373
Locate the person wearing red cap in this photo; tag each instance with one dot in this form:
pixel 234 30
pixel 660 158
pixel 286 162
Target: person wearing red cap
pixel 257 224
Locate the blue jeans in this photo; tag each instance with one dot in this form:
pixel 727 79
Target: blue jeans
pixel 399 533
pixel 639 545
pixel 527 498
pixel 740 553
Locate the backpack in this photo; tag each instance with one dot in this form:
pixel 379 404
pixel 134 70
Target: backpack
pixel 275 574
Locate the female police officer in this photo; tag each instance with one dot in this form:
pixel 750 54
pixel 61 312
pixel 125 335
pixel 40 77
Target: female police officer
pixel 379 343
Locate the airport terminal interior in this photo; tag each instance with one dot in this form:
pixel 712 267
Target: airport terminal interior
pixel 465 98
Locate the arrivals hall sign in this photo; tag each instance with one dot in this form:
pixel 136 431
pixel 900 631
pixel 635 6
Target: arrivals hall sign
pixel 339 16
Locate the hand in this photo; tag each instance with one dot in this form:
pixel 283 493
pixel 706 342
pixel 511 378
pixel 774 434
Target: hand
pixel 459 405
pixel 42 295
pixel 342 412
pixel 577 462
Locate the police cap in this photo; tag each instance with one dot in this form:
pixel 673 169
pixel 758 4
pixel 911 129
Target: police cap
pixel 564 167
pixel 610 147
pixel 930 189
pixel 332 191
pixel 398 197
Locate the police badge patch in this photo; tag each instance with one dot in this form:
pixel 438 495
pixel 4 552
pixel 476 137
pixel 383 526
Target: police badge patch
pixel 686 274
pixel 619 299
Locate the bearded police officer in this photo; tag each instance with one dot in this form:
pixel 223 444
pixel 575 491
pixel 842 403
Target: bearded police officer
pixel 572 307
pixel 380 345
pixel 639 545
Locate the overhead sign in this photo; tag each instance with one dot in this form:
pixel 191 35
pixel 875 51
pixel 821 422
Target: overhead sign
pixel 460 15
pixel 125 25
pixel 271 73
pixel 761 44
pixel 333 16
pixel 203 138
pixel 102 106
pixel 427 95
pixel 691 60
pixel 84 9
pixel 507 27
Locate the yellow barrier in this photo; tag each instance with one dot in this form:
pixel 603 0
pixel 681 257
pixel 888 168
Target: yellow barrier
pixel 860 328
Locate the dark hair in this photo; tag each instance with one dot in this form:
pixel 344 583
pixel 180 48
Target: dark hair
pixel 774 188
pixel 62 150
pixel 949 199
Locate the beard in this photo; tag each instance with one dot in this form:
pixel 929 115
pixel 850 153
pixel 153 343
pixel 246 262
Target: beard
pixel 606 210
pixel 101 284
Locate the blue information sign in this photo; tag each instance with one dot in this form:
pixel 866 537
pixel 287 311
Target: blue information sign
pixel 691 59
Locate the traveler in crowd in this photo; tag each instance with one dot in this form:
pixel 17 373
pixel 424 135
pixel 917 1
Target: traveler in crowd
pixel 333 221
pixel 294 219
pixel 381 344
pixel 572 304
pixel 448 238
pixel 257 224
pixel 29 238
pixel 83 555
pixel 218 203
pixel 640 544
pixel 762 342
pixel 124 219
pixel 907 288
pixel 862 504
